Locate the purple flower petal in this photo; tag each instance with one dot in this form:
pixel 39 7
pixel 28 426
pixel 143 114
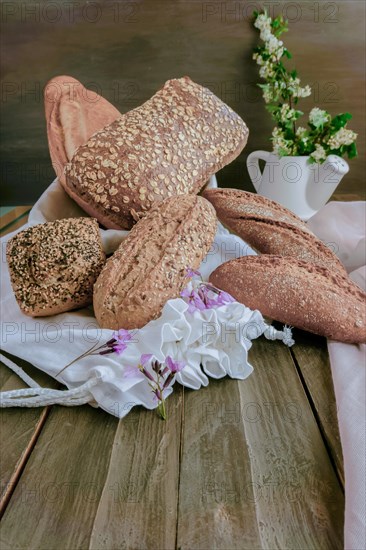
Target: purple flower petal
pixel 186 293
pixel 190 273
pixel 145 358
pixel 119 348
pixel 132 372
pixel 122 335
pixel 174 366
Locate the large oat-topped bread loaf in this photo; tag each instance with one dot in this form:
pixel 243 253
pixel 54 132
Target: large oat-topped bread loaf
pixel 270 228
pixel 53 266
pixel 168 146
pixel 149 267
pixel 297 293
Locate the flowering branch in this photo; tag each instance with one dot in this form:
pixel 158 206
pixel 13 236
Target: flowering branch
pixel 160 376
pixel 117 344
pixel 203 295
pixel 282 92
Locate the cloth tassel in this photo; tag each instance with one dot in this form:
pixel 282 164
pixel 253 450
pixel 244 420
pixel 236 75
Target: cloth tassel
pixel 285 335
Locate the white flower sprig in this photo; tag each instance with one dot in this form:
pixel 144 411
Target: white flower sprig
pixel 281 92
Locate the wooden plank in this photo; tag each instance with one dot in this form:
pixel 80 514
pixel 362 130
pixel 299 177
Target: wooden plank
pixel 138 506
pixel 62 481
pixel 19 428
pixel 255 472
pixel 311 355
pixel 92 481
pixel 346 197
pixel 216 496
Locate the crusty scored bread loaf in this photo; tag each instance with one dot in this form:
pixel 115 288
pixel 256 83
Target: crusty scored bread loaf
pixel 269 227
pixel 297 293
pixel 73 114
pixel 53 266
pixel 168 146
pixel 149 267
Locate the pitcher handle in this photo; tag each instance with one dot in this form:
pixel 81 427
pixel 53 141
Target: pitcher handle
pixel 253 166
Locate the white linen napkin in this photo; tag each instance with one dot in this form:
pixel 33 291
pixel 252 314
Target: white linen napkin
pixel 342 226
pixel 211 343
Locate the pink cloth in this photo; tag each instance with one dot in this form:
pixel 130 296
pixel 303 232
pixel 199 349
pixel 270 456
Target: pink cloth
pixel 342 226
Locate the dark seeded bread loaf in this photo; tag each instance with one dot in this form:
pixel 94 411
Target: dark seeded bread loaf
pixel 269 227
pixel 53 266
pixel 149 267
pixel 297 293
pixel 169 146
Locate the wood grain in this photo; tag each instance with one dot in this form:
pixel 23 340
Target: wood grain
pixel 138 505
pixel 311 355
pixel 254 466
pixel 19 428
pixel 61 485
pixel 95 482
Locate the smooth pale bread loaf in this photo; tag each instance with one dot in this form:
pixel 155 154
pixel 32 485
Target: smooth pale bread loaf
pixel 73 115
pixel 297 293
pixel 269 227
pixel 168 146
pixel 149 267
pixel 53 266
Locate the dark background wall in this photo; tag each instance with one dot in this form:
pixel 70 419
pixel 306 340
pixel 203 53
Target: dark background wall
pixel 125 50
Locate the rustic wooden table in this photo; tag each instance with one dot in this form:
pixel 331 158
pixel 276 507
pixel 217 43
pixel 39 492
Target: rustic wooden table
pixel 240 464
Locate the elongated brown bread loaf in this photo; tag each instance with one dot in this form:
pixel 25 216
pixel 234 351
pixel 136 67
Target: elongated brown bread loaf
pixel 297 293
pixel 73 115
pixel 168 146
pixel 53 266
pixel 149 267
pixel 269 227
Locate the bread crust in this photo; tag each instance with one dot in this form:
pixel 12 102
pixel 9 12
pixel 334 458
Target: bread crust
pixel 168 146
pixel 73 115
pixel 53 266
pixel 270 228
pixel 149 267
pixel 297 293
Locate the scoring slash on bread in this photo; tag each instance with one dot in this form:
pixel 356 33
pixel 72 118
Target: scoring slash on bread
pixel 53 266
pixel 168 146
pixel 149 267
pixel 270 228
pixel 297 293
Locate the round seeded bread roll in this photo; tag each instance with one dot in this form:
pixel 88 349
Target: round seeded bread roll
pixel 149 267
pixel 53 266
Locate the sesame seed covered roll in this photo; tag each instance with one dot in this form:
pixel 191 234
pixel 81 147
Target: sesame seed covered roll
pixel 53 266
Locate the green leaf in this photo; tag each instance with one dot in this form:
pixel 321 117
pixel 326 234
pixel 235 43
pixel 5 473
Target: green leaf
pixel 352 151
pixel 293 73
pixel 287 53
pixel 340 121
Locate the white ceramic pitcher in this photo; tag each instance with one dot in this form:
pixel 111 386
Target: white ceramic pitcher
pixel 294 182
